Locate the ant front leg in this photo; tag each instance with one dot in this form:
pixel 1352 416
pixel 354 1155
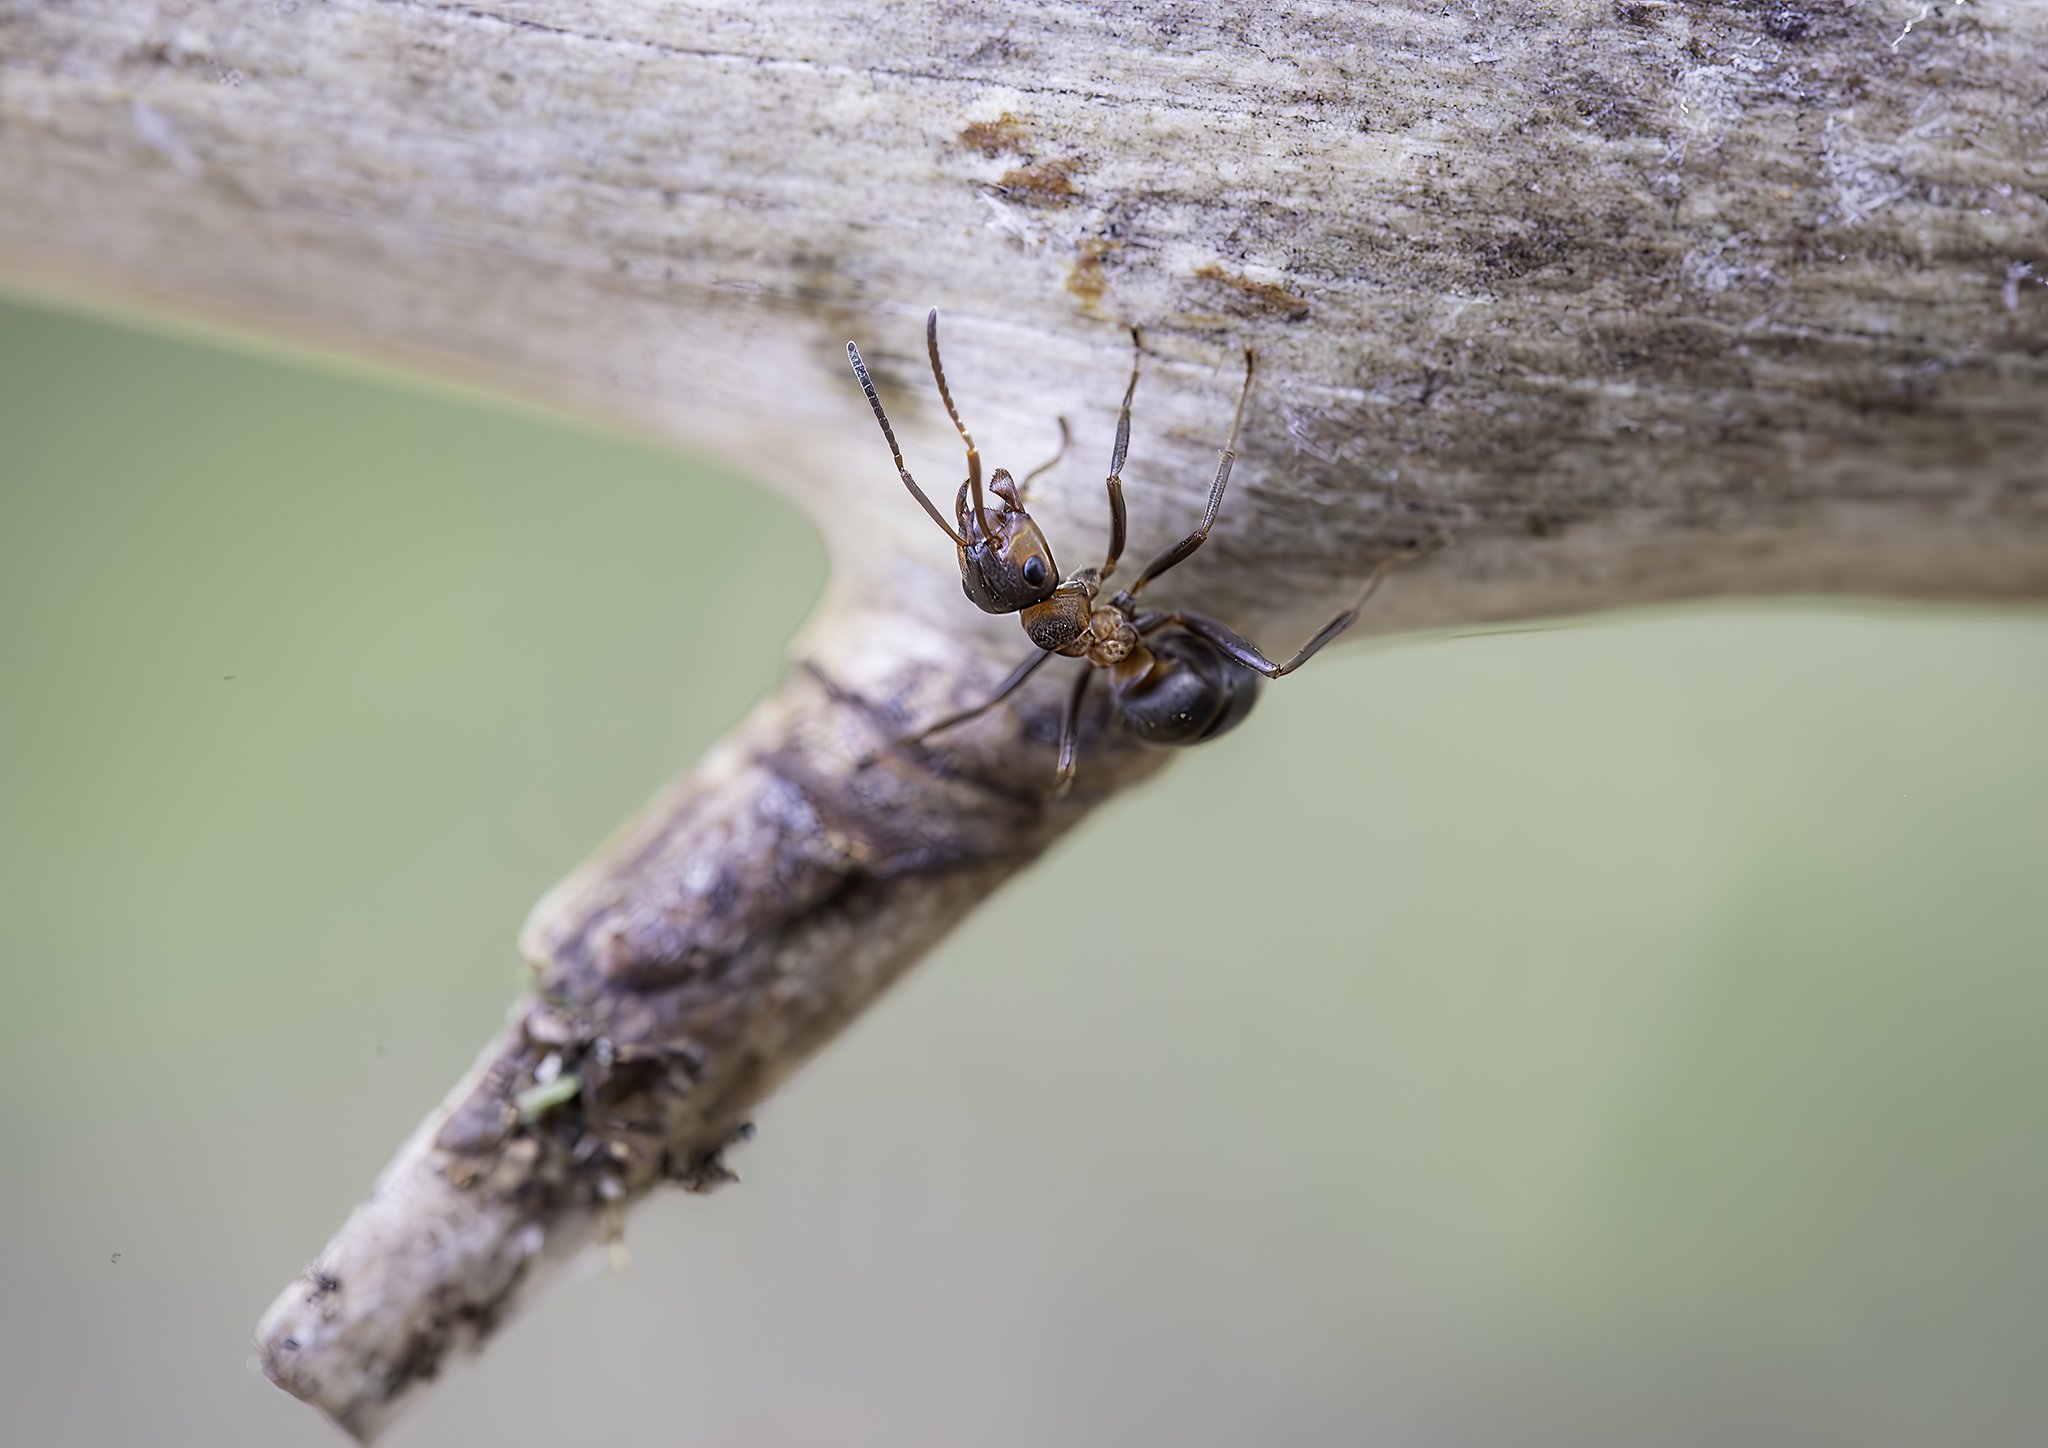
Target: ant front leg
pixel 1179 552
pixel 1115 481
pixel 1003 691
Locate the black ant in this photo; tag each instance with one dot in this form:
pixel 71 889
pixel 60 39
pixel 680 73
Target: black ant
pixel 1175 677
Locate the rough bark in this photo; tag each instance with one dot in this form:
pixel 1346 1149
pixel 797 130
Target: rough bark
pixel 1626 301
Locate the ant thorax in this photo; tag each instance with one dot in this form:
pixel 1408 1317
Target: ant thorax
pixel 1112 638
pixel 1071 623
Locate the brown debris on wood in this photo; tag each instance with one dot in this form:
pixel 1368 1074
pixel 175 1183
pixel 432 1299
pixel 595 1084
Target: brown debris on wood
pixel 1263 296
pixel 1044 181
pixel 1007 132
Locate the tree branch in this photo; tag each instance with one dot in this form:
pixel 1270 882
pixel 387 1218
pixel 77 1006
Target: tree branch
pixel 725 935
pixel 1629 302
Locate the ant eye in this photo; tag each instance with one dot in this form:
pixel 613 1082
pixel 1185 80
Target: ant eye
pixel 1034 572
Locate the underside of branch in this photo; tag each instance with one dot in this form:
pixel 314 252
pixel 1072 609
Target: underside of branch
pixel 726 934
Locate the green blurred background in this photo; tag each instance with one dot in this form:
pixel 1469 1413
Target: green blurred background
pixel 1638 1040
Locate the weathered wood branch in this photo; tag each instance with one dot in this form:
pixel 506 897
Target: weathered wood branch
pixel 714 945
pixel 1628 301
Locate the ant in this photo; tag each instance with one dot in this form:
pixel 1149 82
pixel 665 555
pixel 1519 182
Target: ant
pixel 1175 678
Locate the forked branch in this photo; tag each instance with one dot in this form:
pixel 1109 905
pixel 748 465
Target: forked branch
pixel 1629 302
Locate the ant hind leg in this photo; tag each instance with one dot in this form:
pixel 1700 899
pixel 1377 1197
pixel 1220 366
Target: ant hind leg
pixel 1003 691
pixel 1245 652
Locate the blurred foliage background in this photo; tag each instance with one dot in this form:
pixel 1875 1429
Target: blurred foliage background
pixel 1630 1032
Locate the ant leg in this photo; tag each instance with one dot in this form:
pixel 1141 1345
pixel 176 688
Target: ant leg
pixel 1003 691
pixel 1024 484
pixel 1115 481
pixel 1194 540
pixel 1070 732
pixel 1245 652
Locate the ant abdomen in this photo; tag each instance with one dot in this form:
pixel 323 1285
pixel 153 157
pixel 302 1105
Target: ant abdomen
pixel 1192 693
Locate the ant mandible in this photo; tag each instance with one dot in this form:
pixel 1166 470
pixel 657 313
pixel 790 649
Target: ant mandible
pixel 1175 678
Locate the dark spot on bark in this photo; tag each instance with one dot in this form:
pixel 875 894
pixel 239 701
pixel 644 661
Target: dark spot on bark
pixel 428 1349
pixel 1788 23
pixel 995 50
pixel 1607 108
pixel 707 1171
pixel 1915 384
pixel 1783 19
pixel 1542 243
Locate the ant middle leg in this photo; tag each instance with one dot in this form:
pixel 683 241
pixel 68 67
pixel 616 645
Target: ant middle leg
pixel 1003 691
pixel 1180 551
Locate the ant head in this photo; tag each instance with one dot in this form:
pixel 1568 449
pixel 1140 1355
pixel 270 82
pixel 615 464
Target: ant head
pixel 1005 565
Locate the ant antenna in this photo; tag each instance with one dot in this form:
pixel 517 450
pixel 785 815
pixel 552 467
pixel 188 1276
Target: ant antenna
pixel 860 370
pixel 931 345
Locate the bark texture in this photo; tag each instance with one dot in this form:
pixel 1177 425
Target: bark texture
pixel 1625 301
